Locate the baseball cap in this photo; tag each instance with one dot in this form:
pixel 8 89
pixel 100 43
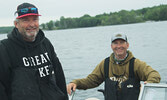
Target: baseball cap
pixel 119 36
pixel 26 9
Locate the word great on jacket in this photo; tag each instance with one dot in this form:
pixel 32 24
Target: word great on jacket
pixel 37 61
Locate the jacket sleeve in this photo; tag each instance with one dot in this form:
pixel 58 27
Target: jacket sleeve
pixel 92 80
pixel 59 74
pixel 4 73
pixel 3 94
pixel 60 78
pixel 146 72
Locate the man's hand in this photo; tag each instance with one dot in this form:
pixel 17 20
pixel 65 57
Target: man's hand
pixel 145 82
pixel 71 86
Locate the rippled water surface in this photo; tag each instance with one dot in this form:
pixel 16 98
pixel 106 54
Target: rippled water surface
pixel 80 50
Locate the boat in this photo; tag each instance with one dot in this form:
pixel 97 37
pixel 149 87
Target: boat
pixel 149 91
pixel 153 91
pixel 70 97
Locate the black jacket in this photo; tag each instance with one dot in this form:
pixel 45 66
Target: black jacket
pixel 30 70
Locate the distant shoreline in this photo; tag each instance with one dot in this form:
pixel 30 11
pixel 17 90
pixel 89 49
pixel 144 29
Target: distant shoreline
pixel 86 27
pixel 145 15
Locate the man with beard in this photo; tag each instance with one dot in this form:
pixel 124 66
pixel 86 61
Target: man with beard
pixel 29 67
pixel 122 73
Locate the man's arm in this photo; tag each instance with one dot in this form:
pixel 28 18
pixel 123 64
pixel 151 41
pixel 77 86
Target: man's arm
pixel 147 73
pixel 4 73
pixel 92 80
pixel 3 94
pixel 60 78
pixel 59 73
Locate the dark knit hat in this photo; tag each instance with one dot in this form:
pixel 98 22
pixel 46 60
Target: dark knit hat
pixel 26 9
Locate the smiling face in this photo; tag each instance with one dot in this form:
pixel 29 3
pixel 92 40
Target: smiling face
pixel 28 27
pixel 119 48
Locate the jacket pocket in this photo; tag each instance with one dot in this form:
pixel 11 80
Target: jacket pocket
pixel 24 85
pixel 50 92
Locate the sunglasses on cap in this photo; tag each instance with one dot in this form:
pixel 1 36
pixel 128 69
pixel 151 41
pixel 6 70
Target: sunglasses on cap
pixel 27 11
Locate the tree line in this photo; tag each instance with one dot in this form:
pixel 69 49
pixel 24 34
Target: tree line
pixel 156 13
pixel 6 29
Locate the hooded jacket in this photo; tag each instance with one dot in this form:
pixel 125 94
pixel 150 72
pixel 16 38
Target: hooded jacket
pixel 30 70
pixel 142 71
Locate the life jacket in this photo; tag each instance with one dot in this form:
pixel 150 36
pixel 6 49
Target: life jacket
pixel 129 89
pixel 26 84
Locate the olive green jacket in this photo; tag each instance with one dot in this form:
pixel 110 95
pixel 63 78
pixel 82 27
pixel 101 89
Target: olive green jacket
pixel 143 72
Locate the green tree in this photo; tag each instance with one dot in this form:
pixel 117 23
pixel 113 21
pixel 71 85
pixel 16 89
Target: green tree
pixel 155 13
pixel 50 25
pixel 63 24
pixel 43 26
pixel 163 13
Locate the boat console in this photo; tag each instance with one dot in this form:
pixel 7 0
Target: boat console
pixel 153 91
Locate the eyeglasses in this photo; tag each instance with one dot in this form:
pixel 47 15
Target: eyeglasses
pixel 26 11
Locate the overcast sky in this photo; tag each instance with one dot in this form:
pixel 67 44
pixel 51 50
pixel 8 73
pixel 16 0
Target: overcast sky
pixel 54 9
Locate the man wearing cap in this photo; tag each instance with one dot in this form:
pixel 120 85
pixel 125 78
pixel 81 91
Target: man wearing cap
pixel 29 67
pixel 121 72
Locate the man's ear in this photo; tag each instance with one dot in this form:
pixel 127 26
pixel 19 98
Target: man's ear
pixel 127 45
pixel 111 46
pixel 16 24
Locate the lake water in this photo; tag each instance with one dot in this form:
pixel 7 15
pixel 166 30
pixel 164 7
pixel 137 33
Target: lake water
pixel 80 50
